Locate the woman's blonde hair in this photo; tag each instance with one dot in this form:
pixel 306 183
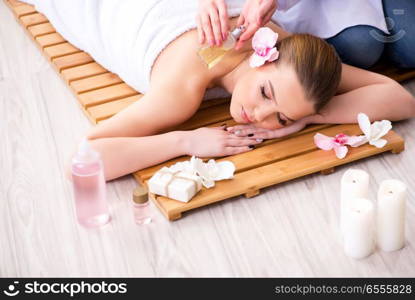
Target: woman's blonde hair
pixel 316 63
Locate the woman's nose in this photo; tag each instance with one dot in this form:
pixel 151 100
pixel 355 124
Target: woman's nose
pixel 265 117
pixel 263 112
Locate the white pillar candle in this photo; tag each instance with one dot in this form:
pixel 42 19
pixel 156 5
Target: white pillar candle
pixel 354 184
pixel 358 235
pixel 390 217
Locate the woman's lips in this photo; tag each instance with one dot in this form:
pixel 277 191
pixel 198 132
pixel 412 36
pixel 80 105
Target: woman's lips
pixel 245 115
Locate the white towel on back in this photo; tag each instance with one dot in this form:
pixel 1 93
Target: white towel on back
pixel 125 36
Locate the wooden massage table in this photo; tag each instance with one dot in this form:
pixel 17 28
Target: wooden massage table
pixel 101 94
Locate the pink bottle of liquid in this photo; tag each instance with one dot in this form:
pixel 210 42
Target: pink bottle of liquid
pixel 141 206
pixel 89 187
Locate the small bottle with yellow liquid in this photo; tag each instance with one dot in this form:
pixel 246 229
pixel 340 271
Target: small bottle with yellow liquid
pixel 212 55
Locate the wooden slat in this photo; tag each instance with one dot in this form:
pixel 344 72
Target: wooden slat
pixel 24 9
pixel 255 179
pixel 402 75
pixel 213 102
pixel 33 19
pixel 268 151
pixel 50 39
pixel 386 70
pixel 72 60
pixel 107 110
pixel 384 67
pixel 60 50
pixel 83 71
pixel 286 148
pixel 107 94
pixel 95 82
pixel 14 3
pixel 40 29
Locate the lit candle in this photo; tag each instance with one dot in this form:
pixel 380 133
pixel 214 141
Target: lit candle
pixel 354 184
pixel 391 215
pixel 358 235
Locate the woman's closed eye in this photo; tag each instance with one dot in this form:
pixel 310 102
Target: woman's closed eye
pixel 263 93
pixel 280 119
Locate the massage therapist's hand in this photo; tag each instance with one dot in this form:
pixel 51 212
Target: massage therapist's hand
pixel 215 141
pixel 261 133
pixel 212 22
pixel 255 14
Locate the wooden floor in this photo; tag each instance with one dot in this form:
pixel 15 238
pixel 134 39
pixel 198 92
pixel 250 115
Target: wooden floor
pixel 288 230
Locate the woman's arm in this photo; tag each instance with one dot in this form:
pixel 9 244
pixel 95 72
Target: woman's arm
pixel 128 141
pixel 124 155
pixel 131 140
pixel 376 95
pixel 170 104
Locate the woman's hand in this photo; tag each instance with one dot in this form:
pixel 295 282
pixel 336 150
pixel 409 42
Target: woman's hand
pixel 214 142
pixel 212 22
pixel 261 133
pixel 255 14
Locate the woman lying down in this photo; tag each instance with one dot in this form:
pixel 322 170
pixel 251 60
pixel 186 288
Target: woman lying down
pixel 152 45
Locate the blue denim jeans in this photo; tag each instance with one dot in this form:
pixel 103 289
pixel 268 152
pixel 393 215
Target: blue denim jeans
pixel 363 45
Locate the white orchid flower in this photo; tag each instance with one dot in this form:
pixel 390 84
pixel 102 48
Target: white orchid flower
pixel 208 172
pixel 374 132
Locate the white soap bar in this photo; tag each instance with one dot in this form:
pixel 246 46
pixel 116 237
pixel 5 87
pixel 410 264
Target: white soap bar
pixel 177 185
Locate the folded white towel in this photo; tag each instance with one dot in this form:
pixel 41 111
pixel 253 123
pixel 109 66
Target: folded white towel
pixel 126 36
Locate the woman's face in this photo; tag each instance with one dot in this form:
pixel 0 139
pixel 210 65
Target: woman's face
pixel 269 97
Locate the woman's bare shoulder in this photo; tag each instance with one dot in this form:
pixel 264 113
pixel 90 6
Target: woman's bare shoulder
pixel 180 62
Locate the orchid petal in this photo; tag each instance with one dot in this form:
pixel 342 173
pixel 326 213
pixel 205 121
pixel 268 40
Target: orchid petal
pixel 264 36
pixel 226 170
pixel 212 168
pixel 356 141
pixel 378 143
pixel 256 60
pixel 272 54
pixel 207 183
pixel 380 128
pixel 202 170
pixel 323 142
pixel 340 151
pixel 364 124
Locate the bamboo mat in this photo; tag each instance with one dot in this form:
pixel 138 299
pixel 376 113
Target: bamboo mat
pixel 101 94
